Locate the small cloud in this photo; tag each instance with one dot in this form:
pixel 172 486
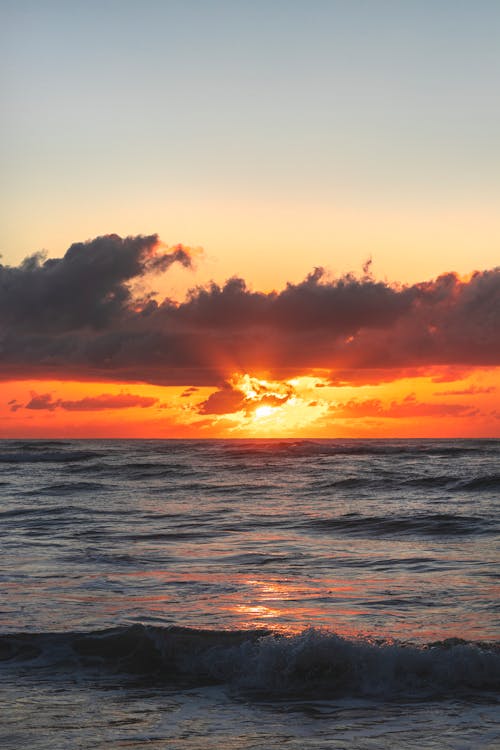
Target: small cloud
pixel 225 401
pixel 473 390
pixel 45 401
pixel 108 401
pixel 189 391
pixel 408 408
pixel 41 401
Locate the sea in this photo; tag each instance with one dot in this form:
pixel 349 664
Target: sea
pixel 249 594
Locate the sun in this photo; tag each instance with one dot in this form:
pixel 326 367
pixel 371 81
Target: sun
pixel 275 407
pixel 263 411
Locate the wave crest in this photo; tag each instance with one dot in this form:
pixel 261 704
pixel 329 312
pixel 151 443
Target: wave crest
pixel 314 663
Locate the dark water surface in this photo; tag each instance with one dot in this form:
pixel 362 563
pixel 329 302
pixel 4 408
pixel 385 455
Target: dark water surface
pixel 249 594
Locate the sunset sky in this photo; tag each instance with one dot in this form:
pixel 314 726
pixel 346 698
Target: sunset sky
pixel 247 218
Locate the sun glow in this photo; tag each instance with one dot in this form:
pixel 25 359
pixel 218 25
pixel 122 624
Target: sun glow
pixel 263 411
pixel 275 407
pixel 441 402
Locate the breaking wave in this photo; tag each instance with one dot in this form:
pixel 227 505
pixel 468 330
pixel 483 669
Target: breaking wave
pixel 315 663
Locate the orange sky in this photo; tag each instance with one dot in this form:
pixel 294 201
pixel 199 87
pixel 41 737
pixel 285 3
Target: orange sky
pixel 464 406
pixel 89 350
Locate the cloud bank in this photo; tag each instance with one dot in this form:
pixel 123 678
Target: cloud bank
pixel 102 402
pixel 78 316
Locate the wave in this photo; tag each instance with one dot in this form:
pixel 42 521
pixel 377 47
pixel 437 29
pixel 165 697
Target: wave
pixel 314 663
pixel 486 482
pixel 139 470
pixel 67 488
pixel 34 445
pixel 72 451
pixel 30 456
pixel 328 447
pixel 392 480
pixel 421 524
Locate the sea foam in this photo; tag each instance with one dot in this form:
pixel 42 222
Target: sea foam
pixel 315 663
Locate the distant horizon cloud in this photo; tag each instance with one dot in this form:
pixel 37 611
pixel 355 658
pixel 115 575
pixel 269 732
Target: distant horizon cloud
pixel 102 402
pixel 79 315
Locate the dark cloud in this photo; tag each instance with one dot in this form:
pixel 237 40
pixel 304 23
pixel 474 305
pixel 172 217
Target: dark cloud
pixel 87 288
pixel 189 392
pixel 45 401
pixel 450 322
pixel 336 307
pixel 78 317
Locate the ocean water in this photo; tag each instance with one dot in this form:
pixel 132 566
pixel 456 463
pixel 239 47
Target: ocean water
pixel 249 594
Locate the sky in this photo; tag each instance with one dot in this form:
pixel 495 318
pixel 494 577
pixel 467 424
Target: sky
pixel 249 219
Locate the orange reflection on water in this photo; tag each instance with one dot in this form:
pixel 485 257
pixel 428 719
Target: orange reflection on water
pixel 288 604
pixel 355 606
pixel 257 611
pixel 273 590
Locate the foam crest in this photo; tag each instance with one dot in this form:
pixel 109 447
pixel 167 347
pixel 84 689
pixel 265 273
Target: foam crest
pixel 314 663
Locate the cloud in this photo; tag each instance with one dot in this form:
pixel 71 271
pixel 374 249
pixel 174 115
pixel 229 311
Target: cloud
pixel 377 375
pixel 108 401
pixel 14 404
pixel 87 288
pixel 189 392
pixel 473 390
pixel 79 316
pixel 450 322
pixel 246 394
pixel 223 401
pixel 41 401
pixel 45 401
pixel 409 407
